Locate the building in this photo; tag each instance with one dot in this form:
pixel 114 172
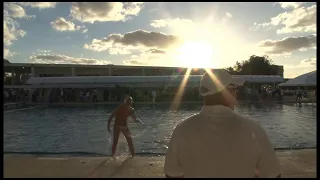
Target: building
pixel 46 81
pixel 19 73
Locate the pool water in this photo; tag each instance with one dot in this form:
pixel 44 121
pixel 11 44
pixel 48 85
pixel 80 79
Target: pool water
pixel 84 129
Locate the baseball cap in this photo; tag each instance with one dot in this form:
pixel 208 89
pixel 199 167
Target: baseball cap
pixel 217 80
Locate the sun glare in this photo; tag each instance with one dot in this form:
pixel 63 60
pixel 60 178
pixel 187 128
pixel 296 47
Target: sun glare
pixel 196 55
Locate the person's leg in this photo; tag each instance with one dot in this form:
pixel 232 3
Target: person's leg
pixel 299 100
pixel 127 135
pixel 116 133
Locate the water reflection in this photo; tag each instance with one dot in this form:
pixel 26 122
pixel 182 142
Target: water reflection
pixel 83 129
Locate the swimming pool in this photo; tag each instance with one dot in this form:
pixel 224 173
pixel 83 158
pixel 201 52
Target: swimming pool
pixel 84 129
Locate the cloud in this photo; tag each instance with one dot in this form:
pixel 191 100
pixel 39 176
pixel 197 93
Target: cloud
pixel 156 51
pixel 43 51
pixel 177 22
pixel 186 28
pixel 134 61
pixel 11 31
pixel 257 26
pixel 118 49
pixel 151 57
pixel 152 10
pixel 7 53
pixel 302 19
pixel 309 62
pixel 15 11
pixel 304 66
pixel 40 5
pixel 104 11
pixel 289 5
pixel 229 15
pixel 305 63
pixel 135 40
pixel 289 44
pixel 144 38
pixel 61 24
pixel 63 59
pixel 85 30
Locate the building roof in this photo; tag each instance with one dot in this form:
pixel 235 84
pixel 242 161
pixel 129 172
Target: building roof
pixel 261 78
pixel 308 79
pixel 82 65
pixel 141 79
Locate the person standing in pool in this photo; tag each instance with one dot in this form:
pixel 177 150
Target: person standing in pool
pixel 121 114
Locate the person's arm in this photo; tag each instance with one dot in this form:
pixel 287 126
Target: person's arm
pixel 172 166
pixel 133 115
pixel 135 118
pixel 111 117
pixel 268 165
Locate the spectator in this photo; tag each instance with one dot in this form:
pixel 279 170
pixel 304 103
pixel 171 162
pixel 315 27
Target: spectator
pixel 94 95
pixel 87 97
pixel 281 94
pixel 299 95
pixel 13 95
pixel 217 142
pixel 6 96
pixel 62 97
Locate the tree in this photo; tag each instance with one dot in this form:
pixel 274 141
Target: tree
pixel 255 65
pixel 231 71
pixel 6 61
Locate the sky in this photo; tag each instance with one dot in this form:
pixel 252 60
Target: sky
pixel 187 34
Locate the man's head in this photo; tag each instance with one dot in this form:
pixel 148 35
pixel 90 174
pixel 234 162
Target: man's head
pixel 128 100
pixel 218 87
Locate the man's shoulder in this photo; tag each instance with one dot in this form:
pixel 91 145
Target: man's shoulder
pixel 251 125
pixel 247 121
pixel 183 126
pixel 187 121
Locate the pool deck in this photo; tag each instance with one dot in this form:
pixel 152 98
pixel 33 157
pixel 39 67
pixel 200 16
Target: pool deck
pixel 294 163
pixel 185 102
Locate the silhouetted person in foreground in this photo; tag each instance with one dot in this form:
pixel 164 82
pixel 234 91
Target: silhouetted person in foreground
pixel 121 114
pixel 217 142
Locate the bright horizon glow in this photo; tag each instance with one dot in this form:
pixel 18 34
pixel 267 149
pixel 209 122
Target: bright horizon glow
pixel 196 55
pixel 207 44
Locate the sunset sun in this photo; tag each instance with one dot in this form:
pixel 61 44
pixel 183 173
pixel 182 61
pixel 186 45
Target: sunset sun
pixel 196 55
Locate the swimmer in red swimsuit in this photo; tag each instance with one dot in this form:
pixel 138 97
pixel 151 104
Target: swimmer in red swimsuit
pixel 121 114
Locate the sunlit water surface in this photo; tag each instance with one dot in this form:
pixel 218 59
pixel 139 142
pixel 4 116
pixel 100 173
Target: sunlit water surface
pixel 69 130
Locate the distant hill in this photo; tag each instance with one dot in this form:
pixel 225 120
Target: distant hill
pixel 6 61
